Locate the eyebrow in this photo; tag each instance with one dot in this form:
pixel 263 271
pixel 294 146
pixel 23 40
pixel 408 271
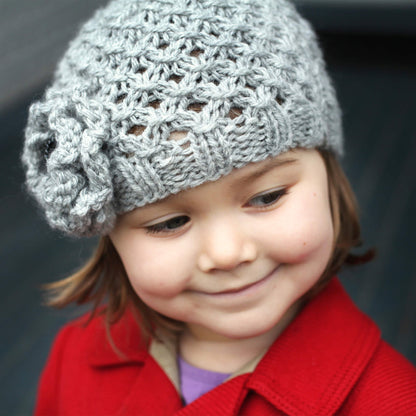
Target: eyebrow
pixel 265 168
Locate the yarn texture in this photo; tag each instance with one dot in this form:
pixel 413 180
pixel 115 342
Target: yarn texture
pixel 154 97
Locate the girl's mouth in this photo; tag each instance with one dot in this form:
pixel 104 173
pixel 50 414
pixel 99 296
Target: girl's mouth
pixel 246 288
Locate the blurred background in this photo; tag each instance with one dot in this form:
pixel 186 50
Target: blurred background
pixel 370 50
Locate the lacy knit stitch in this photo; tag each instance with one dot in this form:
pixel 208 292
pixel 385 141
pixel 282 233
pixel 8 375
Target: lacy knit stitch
pixel 157 96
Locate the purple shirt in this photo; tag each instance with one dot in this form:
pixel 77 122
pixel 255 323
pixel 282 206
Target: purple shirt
pixel 196 381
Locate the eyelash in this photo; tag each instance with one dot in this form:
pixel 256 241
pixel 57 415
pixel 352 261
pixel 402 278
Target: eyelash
pixel 173 224
pixel 165 226
pixel 273 196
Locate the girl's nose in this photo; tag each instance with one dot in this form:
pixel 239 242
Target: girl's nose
pixel 225 246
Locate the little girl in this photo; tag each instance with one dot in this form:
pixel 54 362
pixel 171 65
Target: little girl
pixel 200 140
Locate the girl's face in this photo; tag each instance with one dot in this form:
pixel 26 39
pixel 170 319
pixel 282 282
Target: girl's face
pixel 231 257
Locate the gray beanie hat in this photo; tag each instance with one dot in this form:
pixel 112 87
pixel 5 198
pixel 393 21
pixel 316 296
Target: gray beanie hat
pixel 157 96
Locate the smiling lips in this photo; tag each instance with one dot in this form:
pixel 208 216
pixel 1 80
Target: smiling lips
pixel 245 288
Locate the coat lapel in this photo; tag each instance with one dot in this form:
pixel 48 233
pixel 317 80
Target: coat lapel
pixel 152 393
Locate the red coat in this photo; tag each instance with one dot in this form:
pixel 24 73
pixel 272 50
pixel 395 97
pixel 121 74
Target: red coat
pixel 329 361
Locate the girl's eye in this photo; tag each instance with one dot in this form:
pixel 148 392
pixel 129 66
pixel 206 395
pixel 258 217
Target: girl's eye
pixel 267 199
pixel 169 225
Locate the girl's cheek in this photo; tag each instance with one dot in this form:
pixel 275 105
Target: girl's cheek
pixel 154 280
pixel 158 288
pixel 164 275
pixel 303 229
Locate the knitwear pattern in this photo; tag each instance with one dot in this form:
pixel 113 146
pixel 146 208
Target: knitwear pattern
pixel 154 97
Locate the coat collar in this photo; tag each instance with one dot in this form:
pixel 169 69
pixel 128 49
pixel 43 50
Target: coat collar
pixel 130 348
pixel 317 360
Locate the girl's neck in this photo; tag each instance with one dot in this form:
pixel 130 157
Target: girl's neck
pixel 210 351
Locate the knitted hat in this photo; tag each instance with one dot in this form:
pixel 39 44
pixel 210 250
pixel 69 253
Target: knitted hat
pixel 157 96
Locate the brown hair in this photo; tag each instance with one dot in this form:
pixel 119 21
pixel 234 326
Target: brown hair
pixel 103 281
pixel 345 220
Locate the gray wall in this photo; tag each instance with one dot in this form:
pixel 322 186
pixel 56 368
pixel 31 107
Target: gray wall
pixel 33 35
